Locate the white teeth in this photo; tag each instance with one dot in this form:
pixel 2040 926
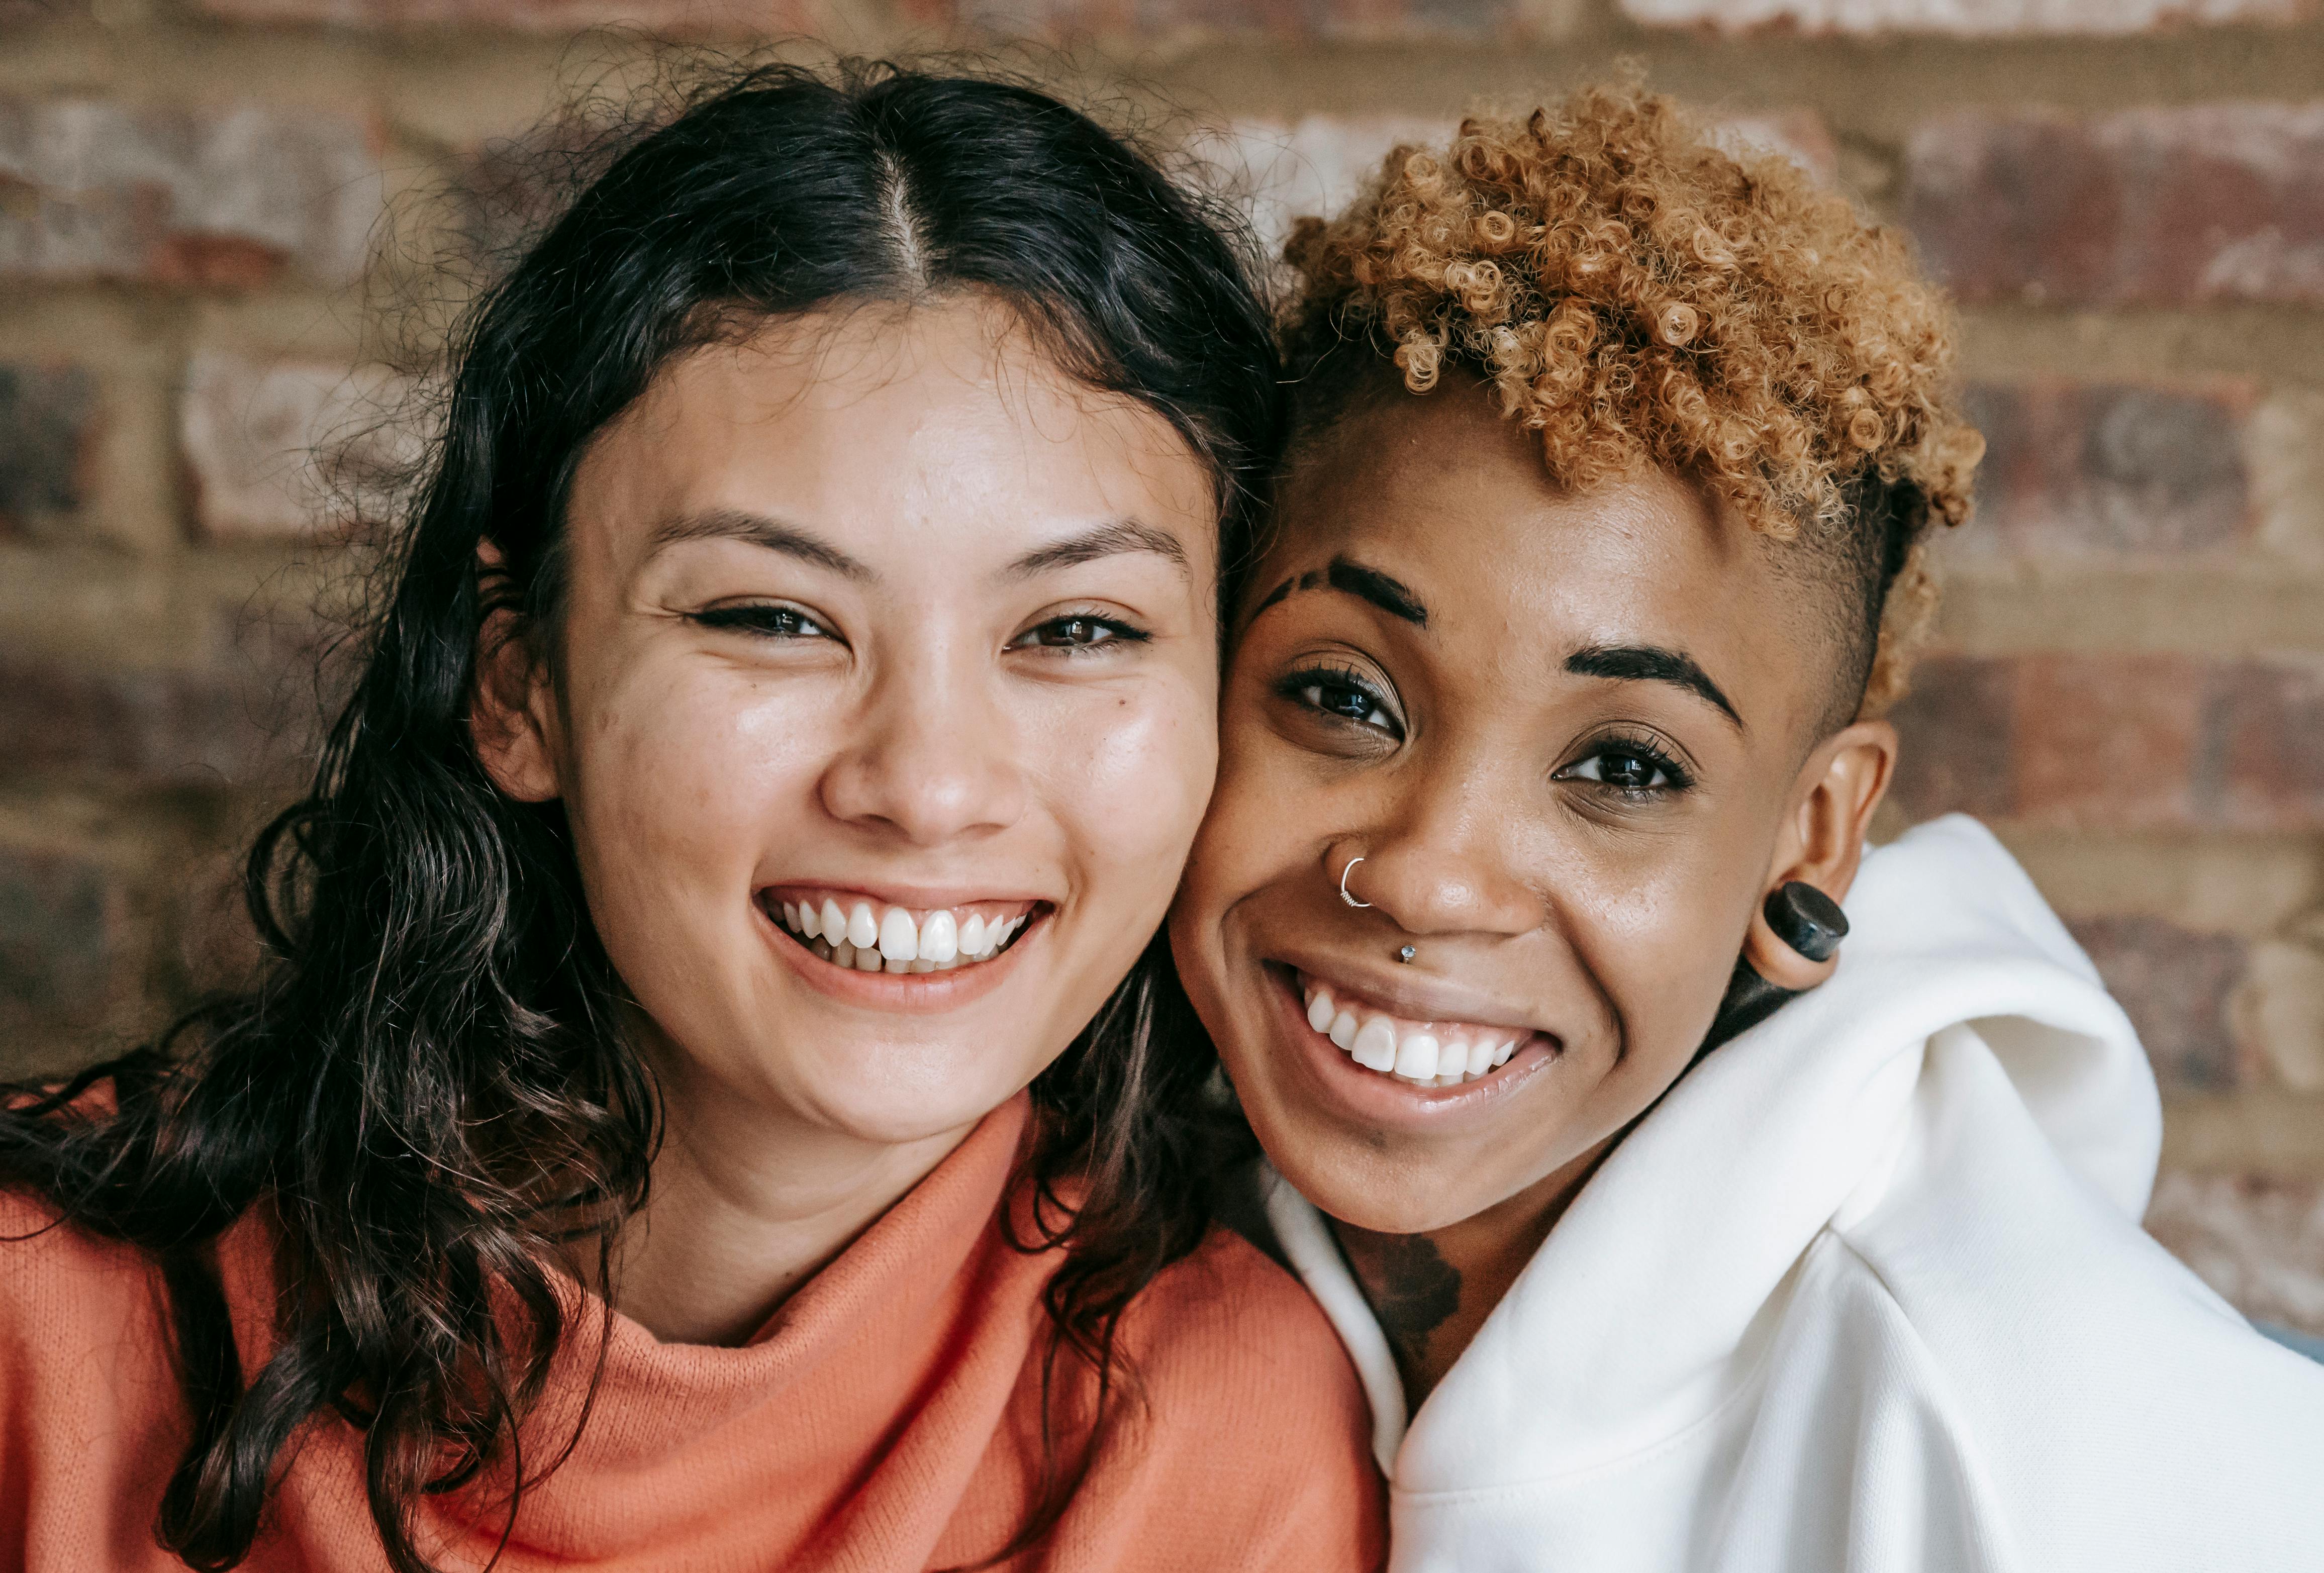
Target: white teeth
pixel 1413 1053
pixel 939 937
pixel 1375 1045
pixel 894 942
pixel 899 937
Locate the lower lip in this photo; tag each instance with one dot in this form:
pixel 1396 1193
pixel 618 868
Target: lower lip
pixel 1381 1101
pixel 927 993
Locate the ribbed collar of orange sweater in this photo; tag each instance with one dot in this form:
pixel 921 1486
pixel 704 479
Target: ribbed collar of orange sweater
pixel 848 1432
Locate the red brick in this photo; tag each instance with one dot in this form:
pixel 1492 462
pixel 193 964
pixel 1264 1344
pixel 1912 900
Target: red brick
pixel 2260 764
pixel 2105 741
pixel 27 13
pixel 682 18
pixel 2176 984
pixel 2258 1241
pixel 1961 18
pixel 1277 172
pixel 158 726
pixel 61 923
pixel 279 446
pixel 217 948
pixel 48 419
pixel 1956 726
pixel 2084 470
pixel 2117 742
pixel 224 198
pixel 1327 19
pixel 2217 202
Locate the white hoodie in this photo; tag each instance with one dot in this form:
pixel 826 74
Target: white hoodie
pixel 1866 1292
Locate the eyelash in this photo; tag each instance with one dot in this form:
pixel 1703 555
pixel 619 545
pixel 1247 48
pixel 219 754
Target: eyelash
pixel 1113 630
pixel 766 620
pixel 1643 748
pixel 1319 680
pixel 788 622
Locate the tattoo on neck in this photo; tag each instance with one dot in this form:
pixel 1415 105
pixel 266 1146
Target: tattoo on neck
pixel 1414 1291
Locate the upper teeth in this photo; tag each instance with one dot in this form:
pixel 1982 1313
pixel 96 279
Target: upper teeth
pixel 894 941
pixel 1426 1053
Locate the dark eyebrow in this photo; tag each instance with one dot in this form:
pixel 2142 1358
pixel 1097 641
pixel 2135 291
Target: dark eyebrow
pixel 1392 596
pixel 1389 595
pixel 759 530
pixel 1104 540
pixel 1651 664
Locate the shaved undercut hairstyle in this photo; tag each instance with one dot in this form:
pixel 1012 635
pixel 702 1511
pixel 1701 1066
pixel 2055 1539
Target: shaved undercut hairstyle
pixel 1640 296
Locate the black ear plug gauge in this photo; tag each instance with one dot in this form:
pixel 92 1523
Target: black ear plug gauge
pixel 1804 918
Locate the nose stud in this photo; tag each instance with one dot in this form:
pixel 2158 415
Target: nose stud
pixel 1407 953
pixel 1351 869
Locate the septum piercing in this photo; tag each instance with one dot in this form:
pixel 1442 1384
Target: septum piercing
pixel 1351 869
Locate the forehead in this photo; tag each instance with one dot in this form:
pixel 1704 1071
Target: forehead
pixel 947 423
pixel 1444 494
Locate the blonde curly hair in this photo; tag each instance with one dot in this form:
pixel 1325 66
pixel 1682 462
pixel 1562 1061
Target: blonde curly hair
pixel 1641 298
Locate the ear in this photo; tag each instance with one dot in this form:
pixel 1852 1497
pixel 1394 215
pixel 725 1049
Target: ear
pixel 513 715
pixel 1821 841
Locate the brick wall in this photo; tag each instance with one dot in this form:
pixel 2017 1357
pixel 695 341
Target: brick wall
pixel 2127 195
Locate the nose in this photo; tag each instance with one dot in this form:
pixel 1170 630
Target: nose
pixel 1441 861
pixel 930 758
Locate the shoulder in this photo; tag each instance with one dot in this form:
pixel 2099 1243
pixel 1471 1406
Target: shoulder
pixel 2044 1366
pixel 70 1301
pixel 1245 1385
pixel 1228 1307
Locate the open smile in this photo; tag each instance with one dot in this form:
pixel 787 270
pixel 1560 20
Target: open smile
pixel 1396 1024
pixel 849 930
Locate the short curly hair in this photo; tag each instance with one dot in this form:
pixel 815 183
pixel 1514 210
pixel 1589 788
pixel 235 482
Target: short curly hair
pixel 1642 298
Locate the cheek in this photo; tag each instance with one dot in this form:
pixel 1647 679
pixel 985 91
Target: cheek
pixel 1659 932
pixel 679 774
pixel 1130 775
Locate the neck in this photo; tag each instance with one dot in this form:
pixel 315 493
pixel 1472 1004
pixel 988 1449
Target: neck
pixel 1432 1290
pixel 747 1204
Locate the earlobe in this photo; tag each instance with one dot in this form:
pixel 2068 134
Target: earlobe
pixel 508 711
pixel 1792 942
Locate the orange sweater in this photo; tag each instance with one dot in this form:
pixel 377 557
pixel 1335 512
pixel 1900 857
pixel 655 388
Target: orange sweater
pixel 886 1419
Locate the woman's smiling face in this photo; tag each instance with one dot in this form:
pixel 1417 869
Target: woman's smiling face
pixel 875 620
pixel 1572 738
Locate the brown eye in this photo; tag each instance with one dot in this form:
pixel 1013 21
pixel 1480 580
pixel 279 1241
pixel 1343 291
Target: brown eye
pixel 1078 632
pixel 1630 772
pixel 1342 695
pixel 767 621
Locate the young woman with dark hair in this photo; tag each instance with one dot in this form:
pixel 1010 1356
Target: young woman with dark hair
pixel 793 706
pixel 1678 1218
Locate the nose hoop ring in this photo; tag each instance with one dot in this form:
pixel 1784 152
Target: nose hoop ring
pixel 1350 900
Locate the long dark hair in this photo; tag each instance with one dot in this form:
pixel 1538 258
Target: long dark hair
pixel 427 1097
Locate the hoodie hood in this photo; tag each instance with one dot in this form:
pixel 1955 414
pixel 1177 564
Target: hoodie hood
pixel 1653 1302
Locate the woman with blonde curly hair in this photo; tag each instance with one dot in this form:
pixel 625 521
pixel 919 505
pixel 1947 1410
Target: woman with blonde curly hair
pixel 1692 1220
